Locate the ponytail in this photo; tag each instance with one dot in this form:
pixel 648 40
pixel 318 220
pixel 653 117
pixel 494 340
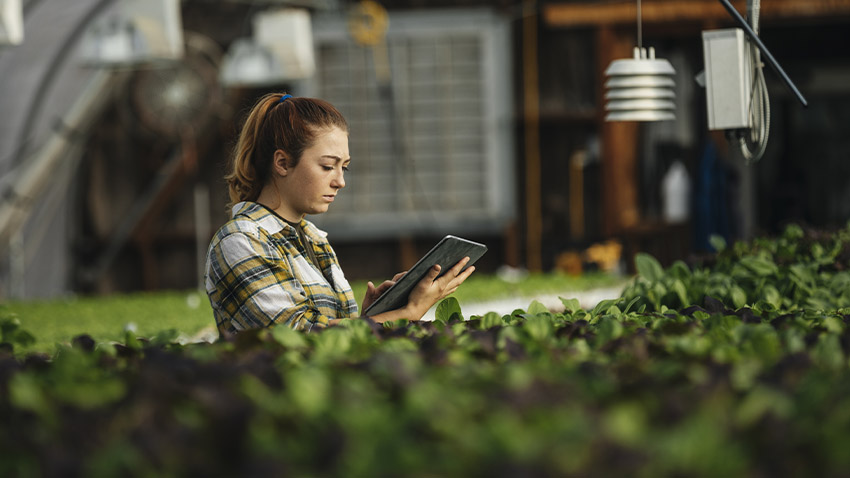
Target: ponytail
pixel 276 122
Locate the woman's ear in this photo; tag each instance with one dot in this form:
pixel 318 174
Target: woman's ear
pixel 280 162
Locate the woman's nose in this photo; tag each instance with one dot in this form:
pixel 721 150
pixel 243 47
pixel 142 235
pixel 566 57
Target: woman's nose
pixel 339 180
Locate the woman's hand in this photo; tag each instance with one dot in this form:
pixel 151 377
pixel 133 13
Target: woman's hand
pixel 432 289
pixel 427 292
pixel 372 292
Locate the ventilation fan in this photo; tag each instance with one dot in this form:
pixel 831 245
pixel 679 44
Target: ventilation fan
pixel 181 96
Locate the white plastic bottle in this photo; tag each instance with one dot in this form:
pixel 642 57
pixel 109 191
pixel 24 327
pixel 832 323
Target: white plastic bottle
pixel 675 193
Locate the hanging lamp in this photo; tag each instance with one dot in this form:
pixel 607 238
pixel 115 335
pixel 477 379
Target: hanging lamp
pixel 11 22
pixel 135 33
pixel 280 50
pixel 640 88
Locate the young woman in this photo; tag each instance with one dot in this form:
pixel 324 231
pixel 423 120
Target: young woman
pixel 268 265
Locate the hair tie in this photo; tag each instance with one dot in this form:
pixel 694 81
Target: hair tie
pixel 284 98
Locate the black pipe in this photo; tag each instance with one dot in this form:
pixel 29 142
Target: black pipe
pixel 770 60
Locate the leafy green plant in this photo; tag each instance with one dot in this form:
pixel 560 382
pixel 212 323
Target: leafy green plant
pixel 643 385
pixel 146 314
pixel 11 333
pixel 797 270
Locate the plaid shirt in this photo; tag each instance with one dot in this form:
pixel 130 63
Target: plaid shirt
pixel 257 274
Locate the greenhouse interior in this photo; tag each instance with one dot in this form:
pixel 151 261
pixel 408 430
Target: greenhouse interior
pixel 234 238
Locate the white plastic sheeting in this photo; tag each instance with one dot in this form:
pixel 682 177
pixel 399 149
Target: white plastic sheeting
pixel 40 80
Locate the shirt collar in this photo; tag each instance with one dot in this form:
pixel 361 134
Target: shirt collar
pixel 274 224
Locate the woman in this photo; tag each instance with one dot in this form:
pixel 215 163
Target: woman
pixel 268 265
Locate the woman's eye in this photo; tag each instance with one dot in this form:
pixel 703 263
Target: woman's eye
pixel 345 168
pixel 328 168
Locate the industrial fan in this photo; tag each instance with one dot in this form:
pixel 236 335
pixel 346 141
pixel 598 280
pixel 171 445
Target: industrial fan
pixel 180 96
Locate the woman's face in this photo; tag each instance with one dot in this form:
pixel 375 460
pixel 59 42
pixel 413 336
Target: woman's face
pixel 312 185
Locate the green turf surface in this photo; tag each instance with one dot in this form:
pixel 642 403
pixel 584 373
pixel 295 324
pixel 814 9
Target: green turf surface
pixel 106 318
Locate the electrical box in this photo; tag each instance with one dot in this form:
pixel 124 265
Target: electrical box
pixel 728 78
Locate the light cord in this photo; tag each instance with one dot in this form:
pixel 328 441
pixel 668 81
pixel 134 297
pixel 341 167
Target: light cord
pixel 759 100
pixel 639 27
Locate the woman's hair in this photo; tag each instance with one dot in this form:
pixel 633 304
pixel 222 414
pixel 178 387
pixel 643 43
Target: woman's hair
pixel 275 122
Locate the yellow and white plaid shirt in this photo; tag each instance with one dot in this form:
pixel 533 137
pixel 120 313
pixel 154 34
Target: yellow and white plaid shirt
pixel 257 274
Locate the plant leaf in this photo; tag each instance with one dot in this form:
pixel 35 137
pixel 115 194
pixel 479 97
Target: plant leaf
pixel 717 242
pixel 537 308
pixel 603 306
pixel 571 305
pixel 447 309
pixel 648 267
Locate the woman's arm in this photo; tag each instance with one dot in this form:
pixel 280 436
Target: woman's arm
pixel 253 289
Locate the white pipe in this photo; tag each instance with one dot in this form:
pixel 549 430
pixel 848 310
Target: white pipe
pixel 202 229
pixel 28 180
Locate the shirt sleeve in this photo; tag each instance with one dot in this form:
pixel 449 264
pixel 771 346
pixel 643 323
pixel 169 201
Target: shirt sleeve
pixel 255 286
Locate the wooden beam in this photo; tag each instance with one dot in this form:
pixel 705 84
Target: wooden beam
pixel 619 144
pixel 665 11
pixel 531 107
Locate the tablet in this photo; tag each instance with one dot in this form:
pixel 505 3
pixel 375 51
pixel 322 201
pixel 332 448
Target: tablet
pixel 446 253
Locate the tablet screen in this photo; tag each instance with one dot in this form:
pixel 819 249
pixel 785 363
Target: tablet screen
pixel 446 253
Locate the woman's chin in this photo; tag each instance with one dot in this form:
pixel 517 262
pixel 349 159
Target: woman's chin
pixel 320 209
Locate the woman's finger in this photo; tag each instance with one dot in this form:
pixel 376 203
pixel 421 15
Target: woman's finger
pixel 452 273
pixel 459 266
pixel 384 286
pixel 434 272
pixel 369 297
pixel 465 274
pixel 457 281
pixel 457 275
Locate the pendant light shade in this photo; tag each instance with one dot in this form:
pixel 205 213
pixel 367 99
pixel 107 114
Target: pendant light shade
pixel 11 22
pixel 640 88
pixel 280 50
pixel 134 33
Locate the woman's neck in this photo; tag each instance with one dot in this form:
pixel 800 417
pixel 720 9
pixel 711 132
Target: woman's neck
pixel 270 199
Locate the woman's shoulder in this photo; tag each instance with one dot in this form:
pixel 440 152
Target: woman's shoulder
pixel 252 219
